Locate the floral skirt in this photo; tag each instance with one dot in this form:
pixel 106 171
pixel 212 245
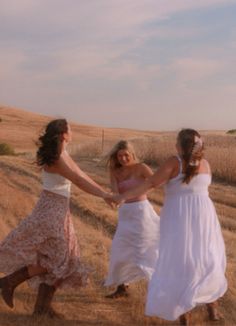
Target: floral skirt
pixel 46 238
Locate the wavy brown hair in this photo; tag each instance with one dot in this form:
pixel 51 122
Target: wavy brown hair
pixel 192 152
pixel 49 143
pixel 112 160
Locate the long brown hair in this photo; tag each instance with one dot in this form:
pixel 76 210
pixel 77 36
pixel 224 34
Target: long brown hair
pixel 112 160
pixel 192 152
pixel 49 143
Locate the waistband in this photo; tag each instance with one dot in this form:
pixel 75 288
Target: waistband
pixel 54 193
pixel 135 203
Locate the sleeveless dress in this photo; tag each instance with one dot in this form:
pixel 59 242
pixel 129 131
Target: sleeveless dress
pixel 46 238
pixel 135 246
pixel 192 262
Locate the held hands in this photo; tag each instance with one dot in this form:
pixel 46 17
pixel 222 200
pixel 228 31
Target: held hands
pixel 108 200
pixel 117 199
pixel 113 199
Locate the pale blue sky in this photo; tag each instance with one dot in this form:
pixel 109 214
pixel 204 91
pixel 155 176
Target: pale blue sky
pixel 146 64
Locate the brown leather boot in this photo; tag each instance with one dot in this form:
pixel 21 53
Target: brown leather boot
pixel 185 319
pixel 121 291
pixel 43 302
pixel 10 282
pixel 213 311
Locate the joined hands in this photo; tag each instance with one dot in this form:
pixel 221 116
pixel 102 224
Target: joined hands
pixel 114 200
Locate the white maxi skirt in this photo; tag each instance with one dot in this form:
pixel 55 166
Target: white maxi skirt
pixel 192 262
pixel 135 246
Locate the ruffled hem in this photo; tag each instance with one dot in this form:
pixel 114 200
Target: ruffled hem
pixel 46 238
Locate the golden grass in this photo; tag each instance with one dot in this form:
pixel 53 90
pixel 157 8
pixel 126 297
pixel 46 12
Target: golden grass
pixel 21 129
pixel 95 225
pixel 220 150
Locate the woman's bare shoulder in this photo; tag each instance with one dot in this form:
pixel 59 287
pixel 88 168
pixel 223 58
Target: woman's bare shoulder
pixel 144 169
pixel 205 166
pixel 59 165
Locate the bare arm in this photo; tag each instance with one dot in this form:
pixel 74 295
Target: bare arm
pixel 160 177
pixel 113 183
pixel 206 167
pixel 146 171
pixel 68 170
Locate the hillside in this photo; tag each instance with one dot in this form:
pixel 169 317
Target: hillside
pixel 21 128
pixel 95 224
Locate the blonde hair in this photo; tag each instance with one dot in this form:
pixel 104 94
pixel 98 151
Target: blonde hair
pixel 112 160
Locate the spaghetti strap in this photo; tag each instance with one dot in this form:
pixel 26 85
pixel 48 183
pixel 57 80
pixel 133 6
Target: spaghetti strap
pixel 180 164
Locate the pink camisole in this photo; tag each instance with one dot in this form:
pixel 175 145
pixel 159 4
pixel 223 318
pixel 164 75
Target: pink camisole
pixel 131 183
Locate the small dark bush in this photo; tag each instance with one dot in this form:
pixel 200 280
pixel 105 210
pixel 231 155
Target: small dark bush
pixel 231 131
pixel 6 149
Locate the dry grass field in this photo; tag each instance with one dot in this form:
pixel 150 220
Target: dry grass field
pixel 95 222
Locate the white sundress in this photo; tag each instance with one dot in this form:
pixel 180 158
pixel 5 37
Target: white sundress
pixel 135 246
pixel 192 262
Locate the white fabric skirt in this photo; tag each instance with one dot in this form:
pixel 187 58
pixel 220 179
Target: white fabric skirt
pixel 191 265
pixel 135 246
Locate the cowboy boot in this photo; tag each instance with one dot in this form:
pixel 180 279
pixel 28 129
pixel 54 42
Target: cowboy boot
pixel 121 291
pixel 43 302
pixel 213 311
pixel 185 319
pixel 10 282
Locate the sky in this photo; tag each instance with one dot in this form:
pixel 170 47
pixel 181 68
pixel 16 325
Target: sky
pixel 142 64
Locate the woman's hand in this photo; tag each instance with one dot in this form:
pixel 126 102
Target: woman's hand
pixel 113 199
pixel 117 199
pixel 108 199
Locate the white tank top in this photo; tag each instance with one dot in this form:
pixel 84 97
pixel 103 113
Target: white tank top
pixel 56 183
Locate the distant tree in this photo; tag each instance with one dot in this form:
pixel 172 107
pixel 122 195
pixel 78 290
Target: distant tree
pixel 6 149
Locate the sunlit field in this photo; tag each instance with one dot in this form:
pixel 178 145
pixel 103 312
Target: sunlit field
pixel 95 222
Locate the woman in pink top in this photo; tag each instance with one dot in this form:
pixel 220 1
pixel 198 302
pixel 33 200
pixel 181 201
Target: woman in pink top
pixel 191 266
pixel 135 245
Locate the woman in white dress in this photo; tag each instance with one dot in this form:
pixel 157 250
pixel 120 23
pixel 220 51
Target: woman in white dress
pixel 43 247
pixel 192 262
pixel 134 250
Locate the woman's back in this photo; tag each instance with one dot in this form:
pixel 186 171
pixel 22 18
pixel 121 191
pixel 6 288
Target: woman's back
pixel 191 262
pixel 198 185
pixel 56 183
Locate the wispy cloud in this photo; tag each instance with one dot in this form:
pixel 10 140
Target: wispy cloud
pixel 126 54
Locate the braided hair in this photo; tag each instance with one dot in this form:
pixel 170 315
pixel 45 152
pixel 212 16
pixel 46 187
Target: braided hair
pixel 49 143
pixel 192 152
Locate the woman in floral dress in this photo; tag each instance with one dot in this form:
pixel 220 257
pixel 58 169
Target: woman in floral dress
pixel 43 247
